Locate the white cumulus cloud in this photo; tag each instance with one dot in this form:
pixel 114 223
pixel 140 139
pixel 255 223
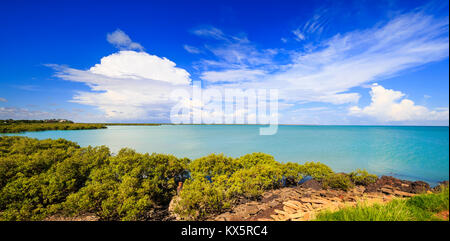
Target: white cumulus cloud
pixel 389 105
pixel 140 65
pixel 128 85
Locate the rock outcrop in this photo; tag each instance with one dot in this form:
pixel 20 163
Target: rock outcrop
pixel 303 202
pixel 299 204
pixel 387 182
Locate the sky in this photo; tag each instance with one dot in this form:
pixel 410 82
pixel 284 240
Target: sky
pixel 333 62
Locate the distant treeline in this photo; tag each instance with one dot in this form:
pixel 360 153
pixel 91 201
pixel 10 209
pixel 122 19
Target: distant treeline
pixel 17 126
pixel 11 121
pixel 44 126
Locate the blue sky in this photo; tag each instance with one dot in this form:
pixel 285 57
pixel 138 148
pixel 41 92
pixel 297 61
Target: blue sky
pixel 334 62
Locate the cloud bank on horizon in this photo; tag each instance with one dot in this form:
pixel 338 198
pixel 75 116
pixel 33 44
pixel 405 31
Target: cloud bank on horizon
pixel 390 105
pixel 319 82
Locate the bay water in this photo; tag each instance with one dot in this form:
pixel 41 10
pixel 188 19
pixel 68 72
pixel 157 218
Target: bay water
pixel 407 152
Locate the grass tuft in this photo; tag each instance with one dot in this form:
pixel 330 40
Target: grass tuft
pixel 418 208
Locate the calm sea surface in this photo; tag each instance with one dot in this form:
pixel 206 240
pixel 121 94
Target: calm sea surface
pixel 414 153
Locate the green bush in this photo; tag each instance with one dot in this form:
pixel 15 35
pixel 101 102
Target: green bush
pixel 254 159
pixel 218 182
pixel 362 177
pixel 128 186
pixel 213 165
pixel 37 176
pixel 338 181
pixel 293 172
pixel 252 182
pixel 41 178
pixel 316 170
pixel 201 198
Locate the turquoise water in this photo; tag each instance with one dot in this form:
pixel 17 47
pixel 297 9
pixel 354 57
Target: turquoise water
pixel 414 153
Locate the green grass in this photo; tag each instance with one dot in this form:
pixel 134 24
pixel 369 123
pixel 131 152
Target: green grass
pixel 418 208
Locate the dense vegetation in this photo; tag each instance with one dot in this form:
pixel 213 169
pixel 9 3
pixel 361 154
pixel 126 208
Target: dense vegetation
pixel 217 182
pixel 39 178
pixel 418 208
pixel 128 186
pixel 44 126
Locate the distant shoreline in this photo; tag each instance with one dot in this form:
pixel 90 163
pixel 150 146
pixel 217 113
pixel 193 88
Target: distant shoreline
pixel 38 125
pixel 55 122
pixel 160 124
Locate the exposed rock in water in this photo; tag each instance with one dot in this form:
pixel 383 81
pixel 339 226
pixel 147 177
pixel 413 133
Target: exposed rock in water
pixel 386 183
pixel 419 187
pixel 439 187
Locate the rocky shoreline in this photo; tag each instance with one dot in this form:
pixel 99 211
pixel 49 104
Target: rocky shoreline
pixel 303 202
pixel 297 203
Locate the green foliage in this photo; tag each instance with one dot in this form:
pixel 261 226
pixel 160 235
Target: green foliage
pixel 362 177
pixel 316 170
pixel 252 182
pixel 433 202
pixel 229 180
pixel 201 198
pixel 37 176
pixel 292 172
pixel 338 181
pixel 417 208
pixel 254 159
pixel 218 181
pixel 40 178
pixel 257 172
pixel 213 165
pixel 128 186
pixel 38 126
pixel 26 157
